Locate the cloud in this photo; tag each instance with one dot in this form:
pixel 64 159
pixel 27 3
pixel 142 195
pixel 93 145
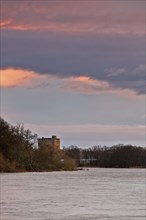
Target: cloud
pixel 5 23
pixel 118 61
pixel 85 84
pixel 88 85
pixel 134 79
pixel 12 77
pixel 115 71
pixel 141 69
pixel 75 18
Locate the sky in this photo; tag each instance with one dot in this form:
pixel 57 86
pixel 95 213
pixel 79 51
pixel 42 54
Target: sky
pixel 75 69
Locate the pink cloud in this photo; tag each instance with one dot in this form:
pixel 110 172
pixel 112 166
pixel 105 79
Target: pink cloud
pixel 69 17
pixel 12 77
pixel 85 84
pixel 88 85
pixel 16 77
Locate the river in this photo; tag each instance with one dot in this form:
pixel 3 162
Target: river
pixel 93 194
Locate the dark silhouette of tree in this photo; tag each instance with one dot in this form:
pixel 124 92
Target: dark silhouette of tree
pixel 18 152
pixel 118 156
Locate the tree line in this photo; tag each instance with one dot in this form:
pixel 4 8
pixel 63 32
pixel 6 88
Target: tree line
pixel 117 156
pixel 19 152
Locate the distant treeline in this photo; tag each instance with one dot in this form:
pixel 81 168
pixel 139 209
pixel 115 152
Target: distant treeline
pixel 19 152
pixel 118 156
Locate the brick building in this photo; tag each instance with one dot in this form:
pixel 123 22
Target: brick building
pixel 53 143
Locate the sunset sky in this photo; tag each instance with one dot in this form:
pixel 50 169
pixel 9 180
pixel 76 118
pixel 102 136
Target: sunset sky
pixel 75 69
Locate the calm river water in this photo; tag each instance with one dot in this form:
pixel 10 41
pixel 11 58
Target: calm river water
pixel 94 194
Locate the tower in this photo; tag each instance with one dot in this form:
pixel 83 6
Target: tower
pixel 53 143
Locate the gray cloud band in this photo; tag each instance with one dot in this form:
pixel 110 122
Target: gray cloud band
pixel 117 60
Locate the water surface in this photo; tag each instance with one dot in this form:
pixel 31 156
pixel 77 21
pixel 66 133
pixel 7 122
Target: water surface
pixel 94 194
